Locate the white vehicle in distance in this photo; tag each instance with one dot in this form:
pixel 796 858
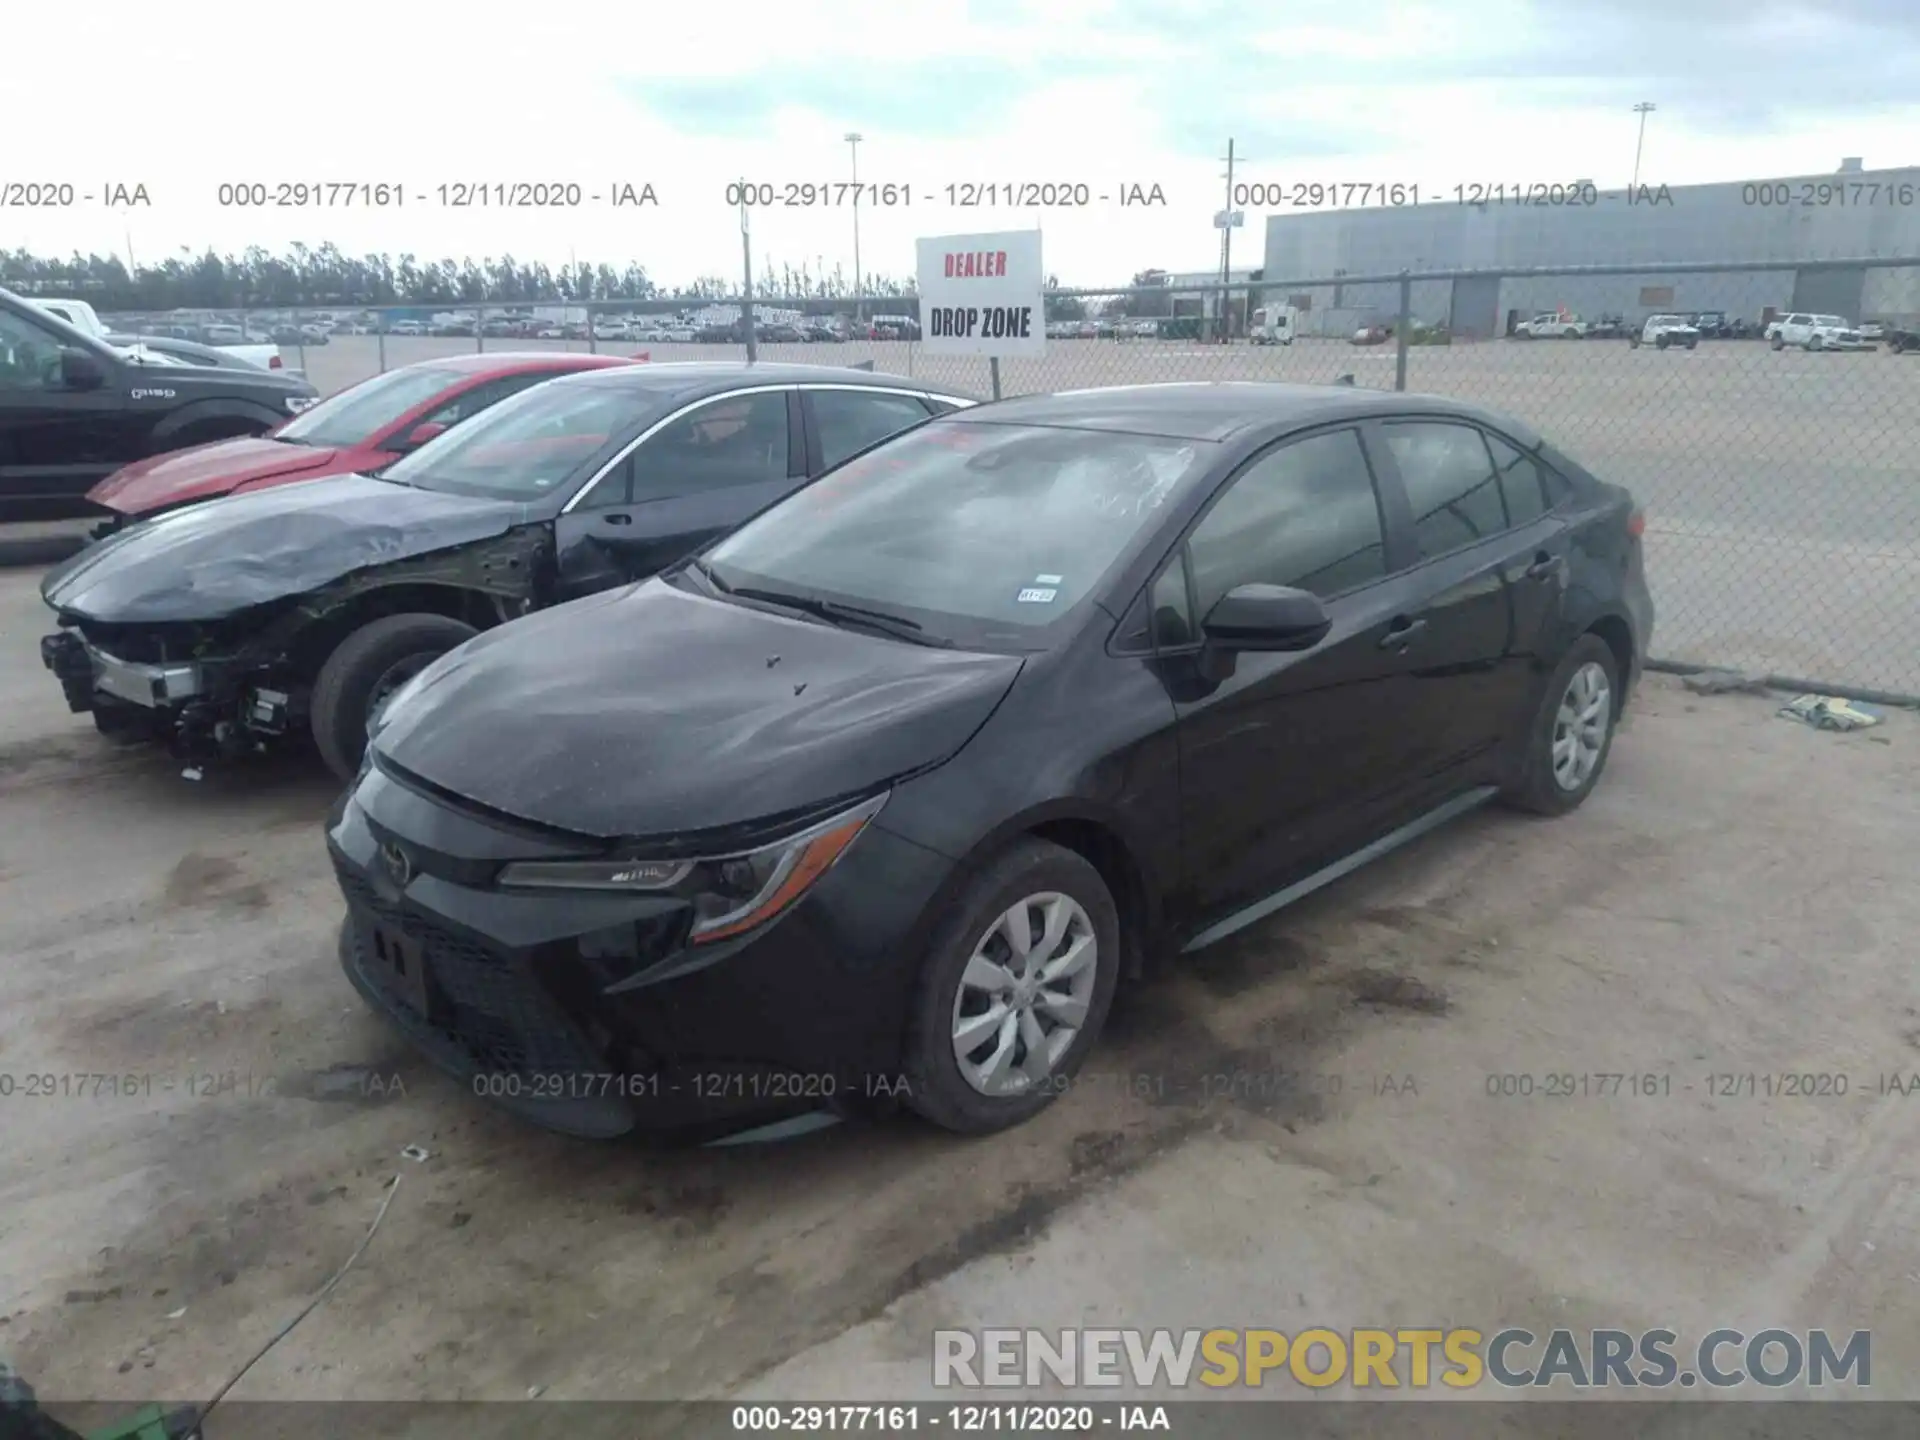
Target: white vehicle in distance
pixel 231 338
pixel 1872 330
pixel 1273 325
pixel 407 327
pixel 1664 332
pixel 1817 332
pixel 1551 325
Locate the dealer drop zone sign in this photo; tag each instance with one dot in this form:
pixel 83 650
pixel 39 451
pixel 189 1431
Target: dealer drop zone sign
pixel 981 294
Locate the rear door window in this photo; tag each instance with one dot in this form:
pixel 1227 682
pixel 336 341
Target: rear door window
pixel 1450 484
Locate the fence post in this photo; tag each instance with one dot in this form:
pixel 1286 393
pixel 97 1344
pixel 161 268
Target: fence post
pixel 479 329
pixel 1400 328
pixel 993 371
pixel 380 330
pixel 593 340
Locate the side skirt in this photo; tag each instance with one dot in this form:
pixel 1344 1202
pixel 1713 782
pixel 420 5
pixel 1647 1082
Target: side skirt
pixel 1365 855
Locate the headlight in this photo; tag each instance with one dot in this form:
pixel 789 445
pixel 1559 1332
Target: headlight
pixel 297 403
pixel 730 894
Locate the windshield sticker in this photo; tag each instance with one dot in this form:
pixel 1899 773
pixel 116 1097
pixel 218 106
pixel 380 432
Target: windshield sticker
pixel 1036 597
pixel 1048 579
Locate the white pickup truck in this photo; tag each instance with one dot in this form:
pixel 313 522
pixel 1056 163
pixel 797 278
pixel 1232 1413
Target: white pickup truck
pixel 1815 332
pixel 1551 325
pixel 227 338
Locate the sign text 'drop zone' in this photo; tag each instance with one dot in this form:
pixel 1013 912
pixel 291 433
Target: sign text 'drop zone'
pixel 982 294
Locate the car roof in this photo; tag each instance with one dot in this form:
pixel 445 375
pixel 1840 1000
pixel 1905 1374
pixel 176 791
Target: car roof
pixel 513 362
pixel 691 377
pixel 1218 410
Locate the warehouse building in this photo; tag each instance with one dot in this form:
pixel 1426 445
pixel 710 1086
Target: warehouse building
pixel 1850 213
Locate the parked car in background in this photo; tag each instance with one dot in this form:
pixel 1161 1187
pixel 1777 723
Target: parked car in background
pixel 1901 338
pixel 781 334
pixel 74 408
pixel 1872 330
pixel 1372 335
pixel 293 611
pixel 192 352
pixel 364 427
pixel 1817 332
pixel 232 338
pixel 1551 325
pixel 1666 332
pixel 822 332
pixel 408 327
pixel 911 802
pixel 1712 324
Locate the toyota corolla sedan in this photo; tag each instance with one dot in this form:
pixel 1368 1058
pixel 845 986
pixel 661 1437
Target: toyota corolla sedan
pixel 881 797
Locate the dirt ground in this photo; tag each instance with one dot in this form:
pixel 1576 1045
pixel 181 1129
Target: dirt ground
pixel 1738 898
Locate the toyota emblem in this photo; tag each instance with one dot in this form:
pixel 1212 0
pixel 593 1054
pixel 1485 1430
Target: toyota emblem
pixel 398 867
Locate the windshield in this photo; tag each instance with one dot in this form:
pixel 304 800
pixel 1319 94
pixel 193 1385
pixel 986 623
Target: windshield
pixel 356 415
pixel 1004 528
pixel 527 446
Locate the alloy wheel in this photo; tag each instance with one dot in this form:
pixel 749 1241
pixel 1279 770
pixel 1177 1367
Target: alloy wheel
pixel 1024 994
pixel 1580 726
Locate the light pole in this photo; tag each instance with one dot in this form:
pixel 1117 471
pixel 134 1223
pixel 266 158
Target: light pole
pixel 1643 109
pixel 854 137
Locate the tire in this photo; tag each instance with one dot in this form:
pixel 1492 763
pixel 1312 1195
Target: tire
pixel 1659 342
pixel 366 666
pixel 1814 342
pixel 1692 344
pixel 1538 788
pixel 1633 342
pixel 1031 869
pixel 1777 343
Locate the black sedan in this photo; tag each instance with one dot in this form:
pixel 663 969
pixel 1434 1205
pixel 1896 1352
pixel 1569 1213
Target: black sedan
pixel 267 616
pixel 879 798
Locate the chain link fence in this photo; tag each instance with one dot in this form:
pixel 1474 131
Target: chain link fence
pixel 1778 467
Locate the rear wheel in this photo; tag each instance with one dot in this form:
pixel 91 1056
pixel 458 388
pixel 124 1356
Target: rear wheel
pixel 1814 342
pixel 1015 990
pixel 1568 743
pixel 1659 342
pixel 366 668
pixel 1692 343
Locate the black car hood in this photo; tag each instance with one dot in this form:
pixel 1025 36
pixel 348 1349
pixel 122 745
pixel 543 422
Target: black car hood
pixel 206 562
pixel 653 712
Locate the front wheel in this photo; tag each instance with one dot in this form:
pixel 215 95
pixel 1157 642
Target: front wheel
pixel 1015 990
pixel 1777 343
pixel 366 668
pixel 1692 343
pixel 1571 737
pixel 1816 343
pixel 1659 342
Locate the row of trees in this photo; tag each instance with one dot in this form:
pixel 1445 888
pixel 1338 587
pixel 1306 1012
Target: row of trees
pixel 325 276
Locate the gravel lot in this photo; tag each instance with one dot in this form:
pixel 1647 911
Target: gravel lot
pixel 1738 897
pixel 1783 511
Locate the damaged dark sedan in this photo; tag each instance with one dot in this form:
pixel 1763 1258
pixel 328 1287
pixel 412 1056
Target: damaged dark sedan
pixel 296 611
pixel 876 800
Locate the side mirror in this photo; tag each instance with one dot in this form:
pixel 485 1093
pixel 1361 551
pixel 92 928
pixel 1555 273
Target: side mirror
pixel 1267 617
pixel 81 370
pixel 422 433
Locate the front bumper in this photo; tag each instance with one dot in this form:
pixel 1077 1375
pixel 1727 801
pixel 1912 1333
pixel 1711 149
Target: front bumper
pixel 584 1013
pixel 85 671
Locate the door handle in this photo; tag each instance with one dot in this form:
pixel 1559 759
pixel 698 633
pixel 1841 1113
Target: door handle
pixel 1544 566
pixel 618 517
pixel 1402 634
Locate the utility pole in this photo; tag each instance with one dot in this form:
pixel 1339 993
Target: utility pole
pixel 854 137
pixel 1226 220
pixel 1643 109
pixel 746 277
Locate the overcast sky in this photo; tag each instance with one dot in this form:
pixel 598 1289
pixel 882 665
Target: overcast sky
pixel 687 97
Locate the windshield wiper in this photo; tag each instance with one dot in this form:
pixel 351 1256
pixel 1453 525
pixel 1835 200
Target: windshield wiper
pixel 705 572
pixel 835 612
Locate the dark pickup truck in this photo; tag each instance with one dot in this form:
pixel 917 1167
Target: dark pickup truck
pixel 73 409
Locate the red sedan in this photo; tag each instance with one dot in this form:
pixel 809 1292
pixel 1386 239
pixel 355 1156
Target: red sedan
pixel 364 427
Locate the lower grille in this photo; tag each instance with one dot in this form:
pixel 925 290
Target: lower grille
pixel 490 1017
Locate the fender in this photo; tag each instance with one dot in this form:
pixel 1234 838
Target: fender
pixel 225 408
